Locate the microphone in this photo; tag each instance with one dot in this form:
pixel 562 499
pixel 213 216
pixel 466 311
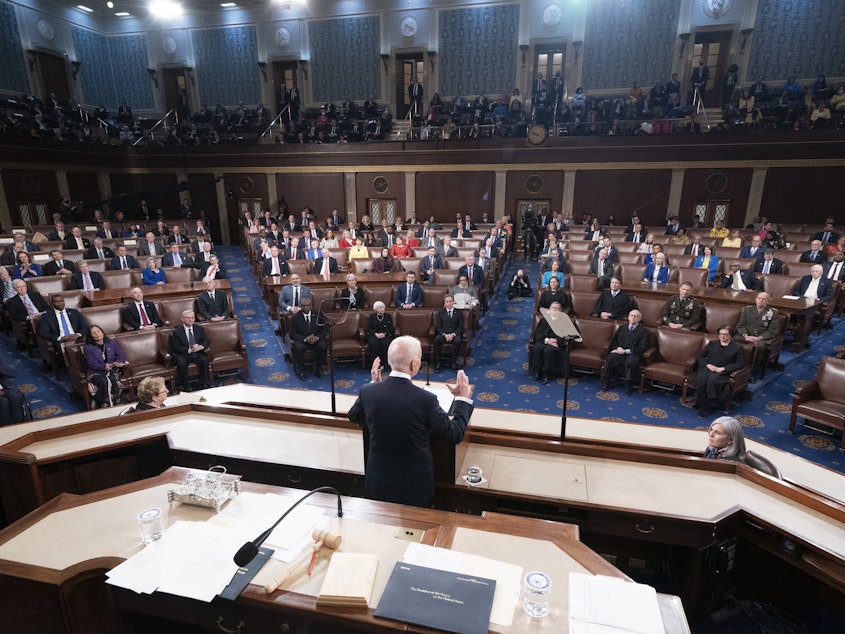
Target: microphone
pixel 426 373
pixel 248 551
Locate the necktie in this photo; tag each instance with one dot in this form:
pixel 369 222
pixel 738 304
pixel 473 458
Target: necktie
pixel 834 271
pixel 5 290
pixel 80 244
pixel 813 256
pixel 296 296
pixel 766 268
pixel 630 328
pixel 408 294
pixel 30 307
pixel 145 320
pixel 351 298
pixel 326 267
pixel 61 264
pixel 191 340
pixel 826 236
pixel 275 270
pixel 177 260
pixel 601 268
pixel 308 321
pixel 450 315
pixel 123 264
pixel 100 255
pixel 65 324
pixel 88 285
pixel 211 295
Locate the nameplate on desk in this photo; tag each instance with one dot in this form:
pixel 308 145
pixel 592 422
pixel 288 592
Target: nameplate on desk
pixel 448 601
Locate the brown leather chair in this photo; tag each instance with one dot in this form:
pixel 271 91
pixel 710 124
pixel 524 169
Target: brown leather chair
pixel 582 303
pixel 583 283
pixel 374 294
pixel 696 277
pixel 578 267
pixel 118 279
pixel 97 265
pixel 592 351
pixel 651 308
pixel 73 299
pixel 453 264
pixel 631 273
pixel 77 371
pixel 49 284
pixel 226 349
pixel 779 285
pixel 323 298
pixel 300 267
pixel 109 317
pixel 822 400
pixel 416 323
pixel 673 359
pixel 412 264
pixel 348 337
pixel 761 463
pixel 184 275
pixel 797 269
pixel 631 258
pixel 446 277
pixel 361 265
pixel 145 357
pixel 433 296
pixel 170 310
pixel 341 255
pixel 825 313
pixel 718 315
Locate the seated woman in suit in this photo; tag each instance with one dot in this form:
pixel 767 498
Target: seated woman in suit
pixel 648 258
pixel 358 250
pixel 152 274
pixel 329 241
pixel 152 392
pixel 647 246
pixel 380 333
pixel 411 240
pixel 133 231
pixel 366 225
pixel 734 241
pixel 553 272
pixel 104 358
pixel 346 242
pixel 657 271
pixel 708 261
pixel 26 268
pixel 386 263
pixel 400 249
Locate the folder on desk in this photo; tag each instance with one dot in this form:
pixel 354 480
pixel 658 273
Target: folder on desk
pixel 448 601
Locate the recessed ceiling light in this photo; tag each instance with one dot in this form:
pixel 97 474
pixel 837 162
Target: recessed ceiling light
pixel 110 4
pixel 228 4
pixel 122 14
pixel 82 7
pixel 165 9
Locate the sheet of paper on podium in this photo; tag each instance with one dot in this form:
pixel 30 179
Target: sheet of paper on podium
pixel 605 605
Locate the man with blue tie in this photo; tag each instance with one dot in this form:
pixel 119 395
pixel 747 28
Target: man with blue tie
pixel 828 235
pixel 430 264
pixel 753 251
pixel 122 261
pixel 62 324
pixel 174 258
pixel 409 295
pixel 814 255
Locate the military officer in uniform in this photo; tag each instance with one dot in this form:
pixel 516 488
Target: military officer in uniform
pixel 758 324
pixel 682 310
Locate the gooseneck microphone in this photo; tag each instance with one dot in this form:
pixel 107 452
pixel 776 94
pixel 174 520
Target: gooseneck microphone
pixel 248 551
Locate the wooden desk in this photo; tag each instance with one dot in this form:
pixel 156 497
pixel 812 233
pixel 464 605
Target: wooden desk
pixel 53 571
pixel 164 291
pixel 802 308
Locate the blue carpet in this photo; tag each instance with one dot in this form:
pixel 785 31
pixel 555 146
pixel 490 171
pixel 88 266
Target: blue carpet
pixel 498 368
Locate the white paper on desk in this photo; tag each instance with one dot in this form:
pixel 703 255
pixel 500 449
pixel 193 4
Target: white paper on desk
pixel 508 576
pixel 444 396
pixel 616 604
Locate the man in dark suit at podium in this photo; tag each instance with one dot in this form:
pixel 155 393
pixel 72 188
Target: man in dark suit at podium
pixel 401 418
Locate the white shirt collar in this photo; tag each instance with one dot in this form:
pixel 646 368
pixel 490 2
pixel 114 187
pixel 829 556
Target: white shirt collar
pixel 400 375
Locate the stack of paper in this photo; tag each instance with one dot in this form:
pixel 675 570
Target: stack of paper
pixel 599 605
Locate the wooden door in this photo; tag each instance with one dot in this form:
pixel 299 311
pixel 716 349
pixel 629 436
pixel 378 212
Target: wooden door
pixel 284 77
pixel 713 211
pixel 408 66
pixel 53 76
pixel 175 91
pixel 379 208
pixel 714 47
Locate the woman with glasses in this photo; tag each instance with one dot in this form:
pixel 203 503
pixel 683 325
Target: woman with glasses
pixel 152 393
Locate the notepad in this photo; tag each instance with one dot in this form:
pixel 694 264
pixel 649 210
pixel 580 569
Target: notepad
pixel 349 580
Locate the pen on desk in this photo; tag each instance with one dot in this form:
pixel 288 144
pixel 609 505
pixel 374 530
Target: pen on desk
pixel 313 559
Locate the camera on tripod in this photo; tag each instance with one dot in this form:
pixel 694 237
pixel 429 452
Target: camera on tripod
pixel 529 220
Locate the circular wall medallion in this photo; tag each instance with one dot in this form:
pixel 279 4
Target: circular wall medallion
pixel 282 37
pixel 168 44
pixel 716 183
pixel 409 26
pixel 552 15
pixel 534 183
pixel 380 184
pixel 716 8
pixel 46 29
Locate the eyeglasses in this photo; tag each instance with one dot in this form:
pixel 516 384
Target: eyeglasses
pixel 164 391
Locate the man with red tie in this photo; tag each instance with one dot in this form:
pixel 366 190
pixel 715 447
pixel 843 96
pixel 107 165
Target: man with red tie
pixel 140 314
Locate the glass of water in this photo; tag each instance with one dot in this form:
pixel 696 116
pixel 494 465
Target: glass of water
pixel 151 523
pixel 536 592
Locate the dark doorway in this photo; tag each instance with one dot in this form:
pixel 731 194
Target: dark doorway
pixel 53 76
pixel 284 77
pixel 714 47
pixel 174 87
pixel 408 66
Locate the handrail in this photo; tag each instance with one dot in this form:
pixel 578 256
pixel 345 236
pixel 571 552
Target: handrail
pixel 273 122
pixel 157 123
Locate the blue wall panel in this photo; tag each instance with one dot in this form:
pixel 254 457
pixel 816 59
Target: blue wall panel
pixel 92 49
pixel 12 67
pixel 345 58
pixel 227 65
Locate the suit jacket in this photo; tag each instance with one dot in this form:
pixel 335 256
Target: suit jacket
pixel 318 266
pixel 776 267
pixel 841 276
pixel 16 309
pixel 300 328
pixel 745 252
pixel 267 265
pixel 217 307
pixel 430 263
pixel 807 256
pixel 96 279
pixel 144 248
pixel 618 306
pixel 451 252
pixel 167 260
pixel 204 266
pixel 751 281
pixel 400 467
pixel 688 249
pixel 825 287
pixel 445 326
pixel 477 276
pixel 286 296
pixel 834 237
pixel 360 298
pixel 634 340
pixel 131 262
pixel 132 317
pixel 48 326
pixel 179 341
pixel 752 322
pixel 415 298
pixel 91 254
pixel 101 233
pixel 52 267
pixel 608 268
pixel 54 236
pixel 70 243
pixel 662 274
pixel 180 239
pixel 196 247
pixel 461 233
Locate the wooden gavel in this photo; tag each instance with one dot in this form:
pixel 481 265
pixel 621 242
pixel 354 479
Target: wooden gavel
pixel 321 537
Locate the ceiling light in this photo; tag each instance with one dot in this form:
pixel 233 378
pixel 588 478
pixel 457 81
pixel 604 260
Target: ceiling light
pixel 110 4
pixel 82 7
pixel 122 14
pixel 228 5
pixel 165 9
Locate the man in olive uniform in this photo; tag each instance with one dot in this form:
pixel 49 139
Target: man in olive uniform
pixel 682 310
pixel 758 324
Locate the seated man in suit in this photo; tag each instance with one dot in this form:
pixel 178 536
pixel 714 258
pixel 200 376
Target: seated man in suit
pixel 815 285
pixel 28 245
pixel 827 235
pixel 76 240
pixel 473 272
pixel 460 232
pixel 835 270
pixel 325 265
pixel 10 256
pixel 400 466
pixel 694 248
pixel 175 259
pixel 308 332
pixel 739 279
pixel 276 264
pixel 189 344
pixel 627 346
pixel 769 264
pixel 149 246
pixel 290 299
pixel 140 314
pixel 177 237
pixel 58 233
pixel 122 261
pixel 106 232
pixel 448 250
pixel 58 265
pixel 86 280
pixel 547 354
pixel 212 269
pixel 754 250
pixel 22 307
pixel 448 328
pixel 98 252
pixel 61 325
pixel 11 400
pixel 613 303
pixel 815 254
pixel 602 268
pixel 489 248
pixel 213 303
pixel 409 295
pixel 429 264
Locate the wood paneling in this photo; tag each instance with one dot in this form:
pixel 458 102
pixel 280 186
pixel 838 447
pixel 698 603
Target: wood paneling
pixel 204 198
pixel 807 195
pixel 85 188
pixel 517 189
pixel 623 193
pixel 161 191
pixel 444 194
pixel 30 185
pixel 320 192
pixel 736 190
pixel 395 190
